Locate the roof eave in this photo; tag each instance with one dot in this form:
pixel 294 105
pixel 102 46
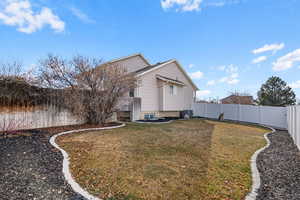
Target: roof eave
pixel 166 63
pixel 169 81
pixel 130 56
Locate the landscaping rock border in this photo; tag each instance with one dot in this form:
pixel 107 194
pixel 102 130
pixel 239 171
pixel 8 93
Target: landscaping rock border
pixel 168 122
pixel 30 169
pixel 66 161
pixel 279 169
pixel 256 181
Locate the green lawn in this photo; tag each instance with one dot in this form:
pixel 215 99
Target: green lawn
pixel 194 159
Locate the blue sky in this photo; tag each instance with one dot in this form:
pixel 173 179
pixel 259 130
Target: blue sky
pixel 225 45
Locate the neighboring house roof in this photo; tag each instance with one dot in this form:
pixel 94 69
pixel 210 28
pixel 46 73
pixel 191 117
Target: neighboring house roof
pixel 130 56
pixel 202 101
pixel 235 99
pixel 160 65
pixel 169 80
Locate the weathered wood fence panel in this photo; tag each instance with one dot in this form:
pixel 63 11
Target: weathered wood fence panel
pixel 39 118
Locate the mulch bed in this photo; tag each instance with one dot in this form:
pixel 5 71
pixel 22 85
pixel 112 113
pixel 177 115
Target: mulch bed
pixel 31 169
pixel 279 166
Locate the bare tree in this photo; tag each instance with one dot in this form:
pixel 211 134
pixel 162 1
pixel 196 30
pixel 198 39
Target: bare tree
pixel 10 74
pixel 91 89
pixel 9 125
pixel 239 93
pixel 214 100
pixel 10 70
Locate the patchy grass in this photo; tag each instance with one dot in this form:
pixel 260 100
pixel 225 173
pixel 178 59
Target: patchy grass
pixel 194 159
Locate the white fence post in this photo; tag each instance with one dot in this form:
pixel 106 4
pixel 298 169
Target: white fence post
pixel 239 112
pixel 221 109
pixel 297 126
pixel 293 122
pixel 259 112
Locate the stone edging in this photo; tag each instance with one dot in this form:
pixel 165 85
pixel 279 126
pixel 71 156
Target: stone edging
pixel 154 122
pixel 66 162
pixel 255 173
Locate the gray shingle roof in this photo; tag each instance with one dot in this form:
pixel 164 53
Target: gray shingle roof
pixel 150 67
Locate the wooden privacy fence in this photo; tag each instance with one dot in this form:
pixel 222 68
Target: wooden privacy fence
pixel 23 106
pixel 293 118
pixel 40 117
pixel 265 115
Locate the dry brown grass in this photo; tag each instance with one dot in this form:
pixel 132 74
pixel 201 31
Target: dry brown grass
pixel 193 159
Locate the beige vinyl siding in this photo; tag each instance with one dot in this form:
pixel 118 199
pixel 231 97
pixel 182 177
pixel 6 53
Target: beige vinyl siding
pixel 149 90
pixel 174 101
pixel 132 64
pixel 161 98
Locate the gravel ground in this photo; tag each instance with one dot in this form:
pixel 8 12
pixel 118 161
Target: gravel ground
pixel 279 166
pixel 31 169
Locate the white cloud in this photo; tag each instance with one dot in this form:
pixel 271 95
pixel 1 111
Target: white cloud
pixel 196 75
pixel 212 82
pixel 287 61
pixel 182 5
pixel 222 68
pixel 295 85
pixel 221 3
pixel 259 59
pixel 191 65
pixel 231 80
pixel 228 68
pixel 19 13
pixel 233 75
pixel 269 47
pixel 81 16
pixel 203 93
pixel 231 69
pixel 216 4
pixel 194 5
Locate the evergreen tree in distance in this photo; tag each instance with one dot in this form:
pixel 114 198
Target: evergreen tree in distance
pixel 276 92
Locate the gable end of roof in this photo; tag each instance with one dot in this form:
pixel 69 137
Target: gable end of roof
pixel 131 56
pixel 160 65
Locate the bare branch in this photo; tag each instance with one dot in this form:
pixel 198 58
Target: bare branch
pixel 91 89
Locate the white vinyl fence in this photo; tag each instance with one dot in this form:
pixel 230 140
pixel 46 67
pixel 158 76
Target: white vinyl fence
pixel 293 116
pixel 265 115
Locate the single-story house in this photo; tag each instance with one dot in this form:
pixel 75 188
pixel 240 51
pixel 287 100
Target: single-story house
pixel 238 99
pixel 164 89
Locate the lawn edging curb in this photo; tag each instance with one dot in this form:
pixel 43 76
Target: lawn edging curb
pixel 256 182
pixel 66 161
pixel 168 122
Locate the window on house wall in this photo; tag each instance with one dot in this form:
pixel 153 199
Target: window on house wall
pixel 131 93
pixel 173 90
